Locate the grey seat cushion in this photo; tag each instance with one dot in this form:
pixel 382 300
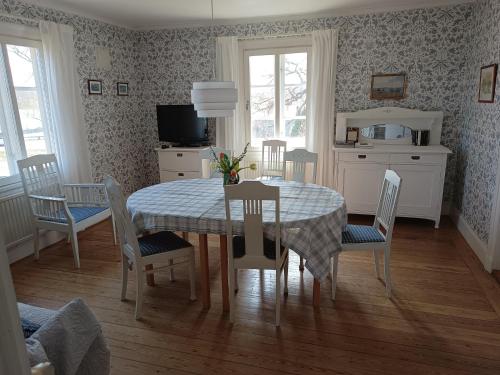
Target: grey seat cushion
pixel 361 234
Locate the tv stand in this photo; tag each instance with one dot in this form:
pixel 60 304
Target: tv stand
pixel 177 163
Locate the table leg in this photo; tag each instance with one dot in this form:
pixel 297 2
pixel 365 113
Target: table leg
pixel 316 292
pixel 223 272
pixel 204 279
pixel 150 277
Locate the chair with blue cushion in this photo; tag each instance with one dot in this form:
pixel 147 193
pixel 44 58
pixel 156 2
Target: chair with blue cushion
pixel 67 208
pixel 377 237
pixel 163 250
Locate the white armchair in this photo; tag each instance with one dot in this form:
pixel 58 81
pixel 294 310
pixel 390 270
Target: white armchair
pixel 68 208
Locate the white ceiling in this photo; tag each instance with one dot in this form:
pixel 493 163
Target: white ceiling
pixel 150 14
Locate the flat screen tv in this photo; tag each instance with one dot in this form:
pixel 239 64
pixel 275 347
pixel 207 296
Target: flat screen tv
pixel 180 125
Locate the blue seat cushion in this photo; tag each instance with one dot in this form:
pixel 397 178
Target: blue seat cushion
pixel 161 242
pixel 29 327
pixel 80 213
pixel 361 234
pixel 269 247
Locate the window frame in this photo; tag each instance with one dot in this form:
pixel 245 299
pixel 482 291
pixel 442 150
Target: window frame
pixel 272 46
pixel 25 36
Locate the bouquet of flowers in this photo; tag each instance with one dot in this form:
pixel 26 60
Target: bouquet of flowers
pixel 229 167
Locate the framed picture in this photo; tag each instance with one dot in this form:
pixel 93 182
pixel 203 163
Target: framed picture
pixel 487 83
pixel 352 135
pixel 122 88
pixel 388 86
pixel 95 87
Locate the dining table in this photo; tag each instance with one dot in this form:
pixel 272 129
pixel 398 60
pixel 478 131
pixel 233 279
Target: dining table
pixel 312 218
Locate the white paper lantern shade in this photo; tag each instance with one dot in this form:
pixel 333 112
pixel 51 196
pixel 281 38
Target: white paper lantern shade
pixel 214 98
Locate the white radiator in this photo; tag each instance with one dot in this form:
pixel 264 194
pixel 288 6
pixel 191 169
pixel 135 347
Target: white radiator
pixel 15 219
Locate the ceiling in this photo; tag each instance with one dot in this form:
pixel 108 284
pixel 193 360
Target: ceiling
pixel 151 14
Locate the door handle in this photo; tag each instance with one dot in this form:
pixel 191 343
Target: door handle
pixel 179 155
pixel 361 156
pixel 180 174
pixel 415 157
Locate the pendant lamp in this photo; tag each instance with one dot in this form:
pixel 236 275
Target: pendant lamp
pixel 214 98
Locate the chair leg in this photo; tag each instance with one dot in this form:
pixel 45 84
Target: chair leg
pixel 335 266
pixel 124 277
pixel 285 289
pixel 68 238
pixel 387 271
pixel 377 266
pixel 172 276
pixel 114 228
pixel 140 276
pixel 231 275
pixel 192 277
pixel 278 297
pixel 74 246
pixel 36 243
pixel 301 265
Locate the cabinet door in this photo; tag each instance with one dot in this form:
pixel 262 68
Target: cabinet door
pixel 360 184
pixel 420 190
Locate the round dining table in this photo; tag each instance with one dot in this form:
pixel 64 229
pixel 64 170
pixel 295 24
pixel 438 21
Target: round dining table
pixel 312 218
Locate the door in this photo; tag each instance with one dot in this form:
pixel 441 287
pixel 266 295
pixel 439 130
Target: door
pixel 360 184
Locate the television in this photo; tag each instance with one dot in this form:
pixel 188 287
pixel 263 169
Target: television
pixel 180 125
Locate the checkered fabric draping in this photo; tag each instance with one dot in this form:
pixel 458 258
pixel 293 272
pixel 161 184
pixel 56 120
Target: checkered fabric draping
pixel 312 217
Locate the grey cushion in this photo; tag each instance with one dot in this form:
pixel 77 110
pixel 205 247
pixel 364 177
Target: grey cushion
pixel 361 234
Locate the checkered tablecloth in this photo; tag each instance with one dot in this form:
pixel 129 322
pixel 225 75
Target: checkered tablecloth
pixel 312 217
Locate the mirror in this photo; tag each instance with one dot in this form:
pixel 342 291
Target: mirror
pixel 386 132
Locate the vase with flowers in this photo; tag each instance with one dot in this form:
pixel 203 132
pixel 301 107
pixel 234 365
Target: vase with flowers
pixel 229 166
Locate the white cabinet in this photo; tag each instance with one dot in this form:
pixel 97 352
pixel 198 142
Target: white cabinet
pixel 359 175
pixel 178 163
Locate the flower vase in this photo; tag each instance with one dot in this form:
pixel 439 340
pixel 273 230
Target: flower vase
pixel 231 180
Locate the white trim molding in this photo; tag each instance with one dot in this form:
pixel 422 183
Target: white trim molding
pixel 494 235
pixel 479 247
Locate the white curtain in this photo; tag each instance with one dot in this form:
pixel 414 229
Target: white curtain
pixel 322 102
pixel 230 130
pixel 65 126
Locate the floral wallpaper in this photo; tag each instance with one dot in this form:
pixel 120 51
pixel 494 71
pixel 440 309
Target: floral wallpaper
pixel 116 134
pixel 440 49
pixel 427 44
pixel 478 143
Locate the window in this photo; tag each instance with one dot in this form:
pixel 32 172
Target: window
pixel 276 89
pixel 22 113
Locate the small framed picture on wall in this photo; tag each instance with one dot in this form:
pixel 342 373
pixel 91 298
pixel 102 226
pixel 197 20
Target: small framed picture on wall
pixel 487 83
pixel 95 87
pixel 388 86
pixel 122 88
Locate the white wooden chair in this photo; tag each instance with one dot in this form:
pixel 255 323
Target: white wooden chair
pixel 377 237
pixel 299 160
pixel 206 155
pixel 272 158
pixel 68 208
pixel 253 250
pixel 165 249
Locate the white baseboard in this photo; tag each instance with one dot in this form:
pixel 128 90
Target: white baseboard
pixel 479 247
pixel 25 249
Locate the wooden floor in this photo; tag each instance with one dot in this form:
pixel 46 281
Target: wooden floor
pixel 444 317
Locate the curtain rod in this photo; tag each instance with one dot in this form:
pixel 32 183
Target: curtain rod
pixel 273 36
pixel 2 14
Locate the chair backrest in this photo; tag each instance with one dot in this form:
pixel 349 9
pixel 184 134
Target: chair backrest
pixel 272 157
pixel 300 158
pixel 388 203
pixel 253 195
pixel 40 175
pixel 126 230
pixel 206 154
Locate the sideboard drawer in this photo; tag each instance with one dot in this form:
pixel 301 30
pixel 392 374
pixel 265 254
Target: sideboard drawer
pixel 416 158
pixel 180 160
pixel 166 176
pixel 364 157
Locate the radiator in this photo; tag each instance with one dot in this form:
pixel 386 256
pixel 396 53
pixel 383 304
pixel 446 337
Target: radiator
pixel 15 219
